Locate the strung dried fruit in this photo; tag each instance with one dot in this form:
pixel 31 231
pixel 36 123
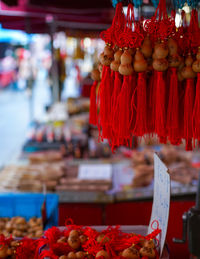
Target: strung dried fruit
pixel 140 64
pixel 189 60
pixel 187 72
pixel 3 251
pixel 131 253
pixel 116 62
pixel 71 255
pixel 172 46
pixel 73 233
pixel 154 56
pixel 107 56
pixel 161 50
pixel 10 251
pixel 101 56
pixel 180 77
pixel 83 238
pixel 160 64
pixel 149 243
pixel 100 68
pixel 103 239
pixel 174 60
pixel 125 67
pixel 102 253
pixel 74 242
pixel 196 64
pixel 108 50
pixel 80 255
pixel 95 75
pixel 146 48
pixel 63 257
pixel 147 251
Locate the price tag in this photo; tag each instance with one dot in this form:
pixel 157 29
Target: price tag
pixel 161 200
pixel 95 172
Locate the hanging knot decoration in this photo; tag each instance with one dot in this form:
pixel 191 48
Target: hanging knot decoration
pixel 93 100
pixel 150 79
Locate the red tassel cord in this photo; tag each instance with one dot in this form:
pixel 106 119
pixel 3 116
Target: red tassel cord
pixel 141 111
pixel 104 118
pixel 173 108
pixel 93 105
pixel 196 111
pixel 112 80
pixel 160 112
pixel 151 90
pixel 48 254
pixel 188 112
pixel 181 90
pixel 124 106
pixel 27 249
pixel 133 103
pixel 116 91
pixel 118 80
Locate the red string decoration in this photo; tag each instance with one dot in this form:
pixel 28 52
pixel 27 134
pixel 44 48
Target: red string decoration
pixel 141 111
pixel 160 116
pixel 188 111
pixel 93 105
pixel 173 109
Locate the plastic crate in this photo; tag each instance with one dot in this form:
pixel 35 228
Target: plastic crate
pixel 29 205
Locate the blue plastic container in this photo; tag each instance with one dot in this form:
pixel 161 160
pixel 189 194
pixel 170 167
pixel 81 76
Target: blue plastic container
pixel 29 205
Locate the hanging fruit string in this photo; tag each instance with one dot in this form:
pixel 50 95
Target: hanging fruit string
pixel 93 102
pixel 122 110
pixel 196 68
pixel 148 72
pixel 172 124
pixel 106 85
pixel 189 75
pixel 140 66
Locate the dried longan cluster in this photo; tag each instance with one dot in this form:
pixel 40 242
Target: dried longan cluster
pixel 87 243
pixel 19 227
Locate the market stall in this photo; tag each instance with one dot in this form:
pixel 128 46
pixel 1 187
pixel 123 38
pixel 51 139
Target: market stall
pixel 95 154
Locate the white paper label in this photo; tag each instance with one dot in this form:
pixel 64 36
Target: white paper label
pixel 161 200
pixel 95 172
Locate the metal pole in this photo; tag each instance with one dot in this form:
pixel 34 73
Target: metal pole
pixel 54 70
pixel 197 206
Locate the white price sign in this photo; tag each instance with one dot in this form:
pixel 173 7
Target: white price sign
pixel 161 200
pixel 95 172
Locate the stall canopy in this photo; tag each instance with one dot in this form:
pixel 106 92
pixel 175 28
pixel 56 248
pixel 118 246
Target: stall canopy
pixel 35 16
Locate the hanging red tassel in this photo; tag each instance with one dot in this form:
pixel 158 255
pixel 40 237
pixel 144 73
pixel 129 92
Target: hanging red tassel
pixel 105 103
pixel 196 111
pixel 141 111
pixel 160 112
pixel 151 90
pixel 188 111
pixel 114 109
pixel 173 108
pixel 93 105
pixel 133 106
pixel 124 102
pixel 117 88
